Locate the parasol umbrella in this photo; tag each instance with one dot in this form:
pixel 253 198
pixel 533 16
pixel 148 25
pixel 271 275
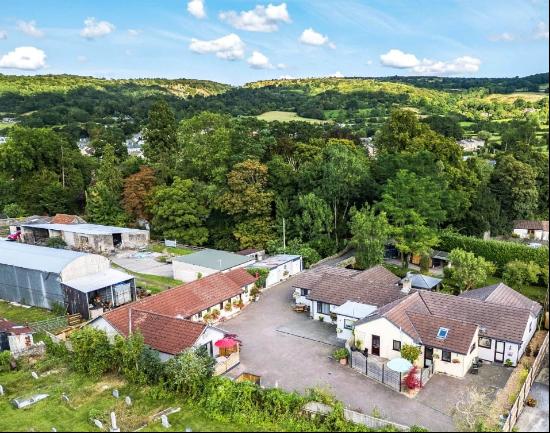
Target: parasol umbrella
pixel 401 365
pixel 226 343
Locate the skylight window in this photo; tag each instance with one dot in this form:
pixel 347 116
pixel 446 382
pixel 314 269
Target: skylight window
pixel 442 333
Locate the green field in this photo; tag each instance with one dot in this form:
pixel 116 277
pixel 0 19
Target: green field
pixel 87 398
pixel 21 315
pixel 286 116
pixel 178 251
pixel 153 283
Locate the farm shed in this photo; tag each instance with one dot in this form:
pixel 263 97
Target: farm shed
pixel 280 267
pixel 86 237
pixel 45 277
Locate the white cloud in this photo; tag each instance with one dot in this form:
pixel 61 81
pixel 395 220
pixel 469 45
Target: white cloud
pixel 95 29
pixel 260 19
pixel 541 31
pixel 196 8
pixel 504 37
pixel 281 66
pixel 27 58
pixel 29 28
pixel 82 59
pixel 286 77
pixel 400 60
pixel 369 62
pixel 337 74
pixel 311 37
pixel 259 61
pixel 3 34
pixel 229 47
pixel 460 65
pixel 134 32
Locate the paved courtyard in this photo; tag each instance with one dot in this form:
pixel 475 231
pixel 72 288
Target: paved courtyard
pixel 292 351
pixel 535 419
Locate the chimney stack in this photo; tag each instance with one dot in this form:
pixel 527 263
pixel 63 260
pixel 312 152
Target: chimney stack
pixel 406 284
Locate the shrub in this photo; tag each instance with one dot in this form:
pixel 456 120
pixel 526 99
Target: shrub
pixel 59 309
pixel 518 273
pixel 92 354
pixel 55 350
pixel 410 352
pixel 228 307
pixel 262 274
pixel 127 355
pixel 5 358
pixel 188 373
pixel 56 242
pixel 341 353
pixel 498 252
pixel 413 379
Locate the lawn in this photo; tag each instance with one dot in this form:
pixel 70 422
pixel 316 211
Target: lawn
pixel 22 315
pixel 286 116
pixel 154 283
pixel 92 397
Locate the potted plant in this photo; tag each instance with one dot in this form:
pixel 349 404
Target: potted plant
pixel 531 402
pixel 215 314
pixel 228 307
pixel 341 355
pixel 435 356
pixel 508 363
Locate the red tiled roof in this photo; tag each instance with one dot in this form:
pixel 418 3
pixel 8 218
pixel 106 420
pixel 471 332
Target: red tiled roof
pixel 188 299
pixel 531 225
pixel 62 218
pixel 163 333
pixel 13 328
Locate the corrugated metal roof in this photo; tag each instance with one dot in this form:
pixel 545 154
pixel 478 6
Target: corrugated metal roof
pixel 214 259
pixel 99 280
pixel 35 257
pixel 85 229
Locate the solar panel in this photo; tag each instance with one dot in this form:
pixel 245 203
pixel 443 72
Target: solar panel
pixel 442 333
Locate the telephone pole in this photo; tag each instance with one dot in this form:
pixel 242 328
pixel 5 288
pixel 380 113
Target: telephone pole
pixel 284 236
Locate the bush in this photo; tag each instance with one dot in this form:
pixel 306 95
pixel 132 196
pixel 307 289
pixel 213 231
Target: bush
pixel 341 353
pixel 413 380
pixel 92 354
pixel 410 352
pixel 188 373
pixel 5 358
pixel 498 252
pixel 518 273
pixel 262 273
pixel 55 350
pixel 56 242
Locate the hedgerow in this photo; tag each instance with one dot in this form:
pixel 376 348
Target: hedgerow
pixel 498 252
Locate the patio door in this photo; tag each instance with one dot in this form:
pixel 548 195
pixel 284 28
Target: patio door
pixel 499 351
pixel 375 346
pixel 428 356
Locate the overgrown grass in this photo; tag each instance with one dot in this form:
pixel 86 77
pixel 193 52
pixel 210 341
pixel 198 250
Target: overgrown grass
pixel 178 251
pixel 22 315
pixel 154 283
pixel 90 397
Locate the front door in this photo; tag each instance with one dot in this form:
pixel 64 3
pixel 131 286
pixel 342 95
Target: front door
pixel 375 347
pixel 499 351
pixel 428 356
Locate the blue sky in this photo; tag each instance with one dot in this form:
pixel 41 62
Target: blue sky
pixel 236 41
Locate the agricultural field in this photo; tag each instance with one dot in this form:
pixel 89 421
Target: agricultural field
pixel 286 116
pixel 90 398
pixel 511 97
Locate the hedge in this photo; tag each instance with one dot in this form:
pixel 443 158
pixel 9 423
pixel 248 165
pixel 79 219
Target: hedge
pixel 498 252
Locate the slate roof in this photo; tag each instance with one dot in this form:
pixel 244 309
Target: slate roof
pixel 420 281
pixel 189 299
pixel 214 259
pixel 531 225
pixel 504 295
pixel 163 333
pixel 422 313
pixel 376 286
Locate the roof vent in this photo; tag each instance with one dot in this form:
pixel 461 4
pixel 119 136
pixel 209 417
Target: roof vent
pixel 442 333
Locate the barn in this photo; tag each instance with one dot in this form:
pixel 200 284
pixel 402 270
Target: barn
pixel 46 277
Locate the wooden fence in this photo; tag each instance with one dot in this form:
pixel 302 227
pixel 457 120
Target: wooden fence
pixel 515 412
pixel 231 361
pixel 376 370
